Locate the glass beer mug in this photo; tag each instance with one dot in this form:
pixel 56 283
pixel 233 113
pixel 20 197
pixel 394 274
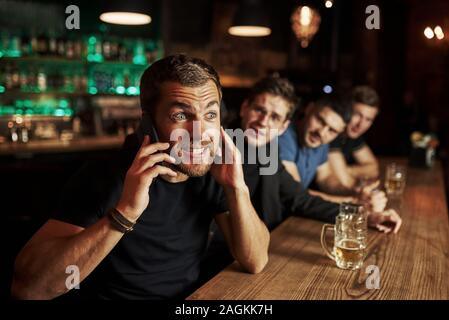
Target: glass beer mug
pixel 395 176
pixel 350 237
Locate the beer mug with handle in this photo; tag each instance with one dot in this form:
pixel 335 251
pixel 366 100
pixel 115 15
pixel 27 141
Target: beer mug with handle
pixel 350 237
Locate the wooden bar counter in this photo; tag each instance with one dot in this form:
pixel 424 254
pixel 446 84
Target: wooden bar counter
pixel 413 264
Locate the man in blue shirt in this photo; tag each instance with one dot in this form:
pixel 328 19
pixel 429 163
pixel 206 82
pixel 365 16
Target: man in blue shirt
pixel 306 159
pixel 304 147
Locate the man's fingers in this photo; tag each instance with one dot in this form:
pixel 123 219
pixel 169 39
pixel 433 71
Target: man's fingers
pixel 374 185
pixel 228 143
pixel 379 195
pixel 371 186
pixel 151 160
pixel 395 218
pixel 148 149
pixel 398 225
pixel 153 172
pixel 229 152
pixel 383 228
pixel 388 221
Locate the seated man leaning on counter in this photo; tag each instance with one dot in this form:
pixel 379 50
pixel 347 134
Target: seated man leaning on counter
pixel 350 158
pixel 137 226
pixel 304 148
pixel 264 115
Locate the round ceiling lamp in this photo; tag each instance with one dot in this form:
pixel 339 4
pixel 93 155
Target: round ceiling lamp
pixel 125 18
pixel 250 20
pixel 249 31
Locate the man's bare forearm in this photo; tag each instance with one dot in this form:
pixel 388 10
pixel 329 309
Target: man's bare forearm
pixel 370 170
pixel 40 269
pixel 332 185
pixel 250 238
pixel 333 198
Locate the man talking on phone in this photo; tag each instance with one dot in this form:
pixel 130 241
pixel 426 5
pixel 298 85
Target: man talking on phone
pixel 136 227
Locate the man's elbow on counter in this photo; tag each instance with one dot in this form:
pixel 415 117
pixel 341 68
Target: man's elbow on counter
pixel 25 289
pixel 19 291
pixel 257 266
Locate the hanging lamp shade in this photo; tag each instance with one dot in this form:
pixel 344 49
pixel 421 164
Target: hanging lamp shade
pixel 129 13
pixel 250 20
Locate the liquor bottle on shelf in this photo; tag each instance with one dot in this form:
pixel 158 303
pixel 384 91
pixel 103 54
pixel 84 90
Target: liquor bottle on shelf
pixel 10 45
pixel 139 53
pixel 2 78
pixel 15 47
pixel 42 44
pixel 76 82
pixel 114 50
pixel 41 80
pixel 34 44
pixel 60 46
pixel 52 44
pixel 24 131
pixel 94 50
pixel 24 80
pixel 11 77
pixel 150 51
pixel 83 82
pixel 8 77
pixel 69 49
pixel 107 54
pixel 25 45
pixel 124 53
pixel 126 82
pixel 78 49
pixel 3 43
pixel 32 80
pixel 68 82
pixel 13 135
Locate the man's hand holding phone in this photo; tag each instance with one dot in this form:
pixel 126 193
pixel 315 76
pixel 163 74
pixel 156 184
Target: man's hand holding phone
pixel 145 167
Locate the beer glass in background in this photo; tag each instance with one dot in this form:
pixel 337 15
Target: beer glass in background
pixel 395 176
pixel 350 237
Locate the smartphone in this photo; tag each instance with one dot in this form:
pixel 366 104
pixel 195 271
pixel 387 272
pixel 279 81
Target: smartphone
pixel 147 127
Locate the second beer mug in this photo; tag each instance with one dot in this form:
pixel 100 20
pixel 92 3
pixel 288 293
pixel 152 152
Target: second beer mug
pixel 350 239
pixel 395 179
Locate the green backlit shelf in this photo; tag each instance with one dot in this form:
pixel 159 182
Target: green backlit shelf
pixel 11 94
pixel 59 60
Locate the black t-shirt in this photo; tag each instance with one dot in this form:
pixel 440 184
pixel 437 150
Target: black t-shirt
pixel 160 257
pixel 347 146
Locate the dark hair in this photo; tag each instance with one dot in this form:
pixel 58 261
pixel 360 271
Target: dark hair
pixel 365 95
pixel 276 86
pixel 340 105
pixel 188 71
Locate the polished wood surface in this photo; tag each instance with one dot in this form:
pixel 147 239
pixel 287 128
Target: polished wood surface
pixel 413 264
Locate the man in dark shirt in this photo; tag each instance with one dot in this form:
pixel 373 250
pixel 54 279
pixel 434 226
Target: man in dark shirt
pixel 350 158
pixel 136 227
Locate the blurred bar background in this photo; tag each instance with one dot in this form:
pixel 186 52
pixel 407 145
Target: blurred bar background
pixel 68 96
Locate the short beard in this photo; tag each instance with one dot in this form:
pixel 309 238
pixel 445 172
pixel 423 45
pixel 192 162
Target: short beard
pixel 194 170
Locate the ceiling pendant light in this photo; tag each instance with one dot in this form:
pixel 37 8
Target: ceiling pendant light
pixel 129 13
pixel 305 24
pixel 125 18
pixel 250 20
